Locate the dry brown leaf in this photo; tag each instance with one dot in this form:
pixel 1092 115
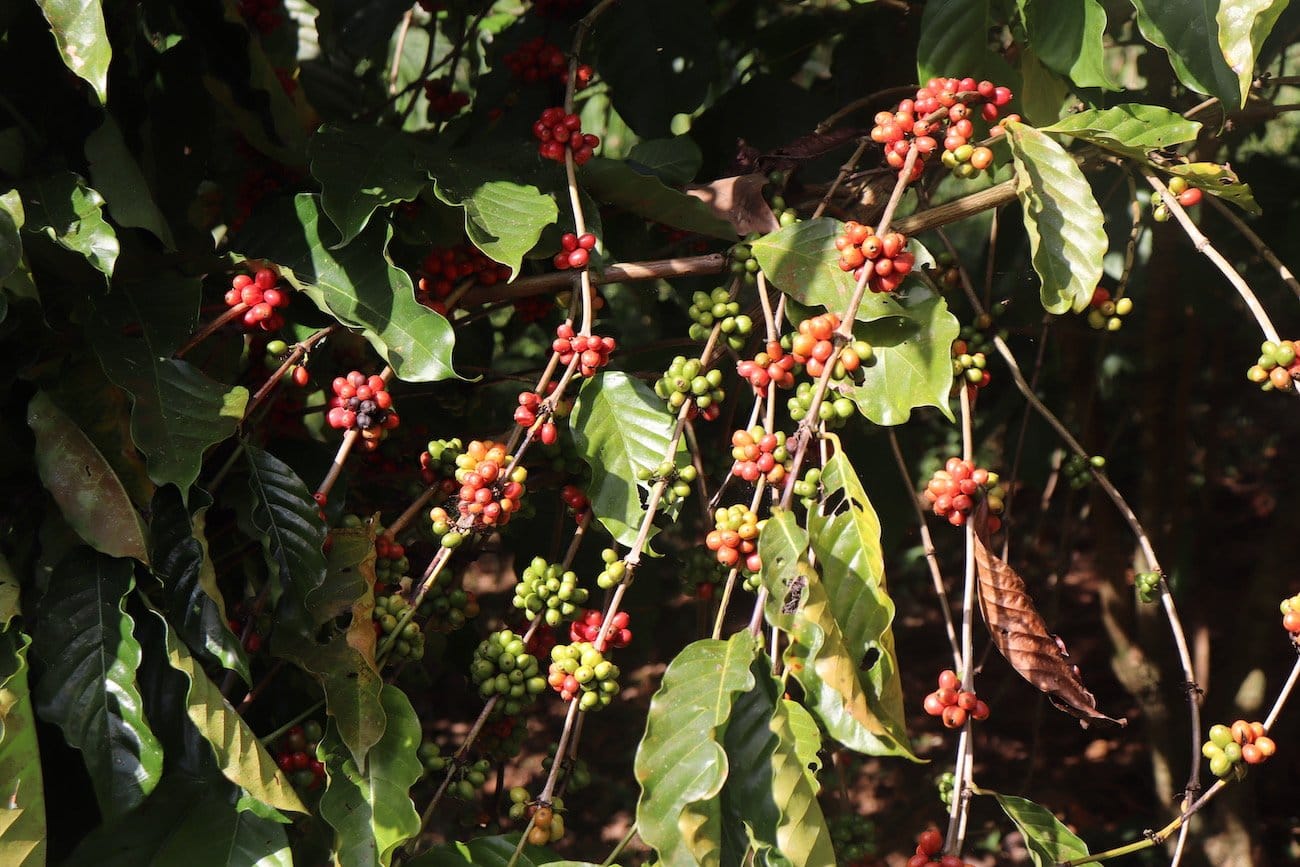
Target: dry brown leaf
pixel 739 200
pixel 1021 636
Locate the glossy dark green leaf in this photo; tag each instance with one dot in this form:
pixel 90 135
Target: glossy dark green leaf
pixel 87 677
pixel 70 213
pixel 675 161
pixel 1243 27
pixel 372 810
pixel 801 261
pixel 1067 231
pixel 913 360
pixel 1043 92
pixel 1188 32
pixel 358 284
pixel 11 242
pixel 87 491
pixel 1067 36
pixel 283 514
pixel 1048 840
pixel 78 27
pixel 1219 181
pixel 240 755
pixel 620 426
pixel 117 175
pixel 22 824
pixel 361 168
pixel 618 183
pixel 953 43
pixel 495 851
pixel 767 783
pixel 1131 130
pixel 680 762
pixel 658 58
pixel 178 411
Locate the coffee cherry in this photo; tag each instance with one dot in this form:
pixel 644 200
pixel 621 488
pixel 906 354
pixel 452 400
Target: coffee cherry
pixel 559 134
pixel 686 382
pixel 388 614
pixel 941 111
pixel 590 627
pixel 743 263
pixel 537 60
pixel 759 454
pixel 1147 585
pixel 444 268
pixel 885 261
pixel 734 541
pixel 503 667
pixel 592 352
pixel 1107 313
pixel 954 704
pixel 444 102
pixel 772 365
pixel 1242 742
pixel 575 251
pixel 362 403
pixel 544 590
pixel 954 490
pixel 1291 617
pixel 262 293
pixel 295 754
pixel 717 308
pixel 1277 367
pixel 448 606
pixel 486 497
pixel 1079 470
pixel 580 671
pixel 265 15
pixel 969 367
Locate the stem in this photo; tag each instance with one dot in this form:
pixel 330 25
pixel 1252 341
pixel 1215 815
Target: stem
pixel 271 738
pixel 951 212
pixel 620 272
pixel 211 328
pixel 618 850
pixel 299 350
pixel 1265 252
pixel 845 170
pixel 430 576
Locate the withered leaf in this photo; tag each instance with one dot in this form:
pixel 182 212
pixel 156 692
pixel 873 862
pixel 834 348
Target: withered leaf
pixel 1021 635
pixel 739 200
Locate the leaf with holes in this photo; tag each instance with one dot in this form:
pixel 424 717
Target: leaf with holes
pixel 358 284
pixel 87 660
pixel 807 739
pixel 1132 129
pixel 371 810
pixel 1067 35
pixel 681 764
pixel 913 360
pixel 71 214
pixel 1020 635
pixel 1048 840
pixel 801 261
pixel 361 168
pixel 78 27
pixel 1189 34
pixel 1243 27
pixel 852 567
pixel 1067 231
pixel 1219 181
pixel 621 427
pixel 618 183
pixel 87 491
pixel 240 755
pixel 22 824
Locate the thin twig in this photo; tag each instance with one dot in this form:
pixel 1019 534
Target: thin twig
pixel 1265 252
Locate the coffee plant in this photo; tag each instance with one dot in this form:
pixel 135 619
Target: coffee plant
pixel 456 432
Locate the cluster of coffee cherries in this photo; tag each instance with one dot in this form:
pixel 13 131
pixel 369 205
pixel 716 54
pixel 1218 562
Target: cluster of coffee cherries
pixel 773 364
pixel 614 570
pixel 295 373
pixel 391 562
pixel 388 614
pixel 530 404
pixel 580 671
pixel 885 260
pixel 576 502
pixel 1291 616
pixel 1079 470
pixel 543 589
pixel 502 666
pixel 687 381
pixel 929 849
pixel 954 704
pixel 503 738
pixel 262 295
pixel 678 480
pixel 835 409
pixel 1277 367
pixel 575 251
pixel 943 108
pixel 701 573
pixel 295 754
pixel 444 102
pixel 812 347
pixel 591 625
pixel 265 15
pixel 592 352
pixel 809 487
pixel 759 454
pixel 443 267
pixel 1147 585
pixel 486 498
pixel 718 308
pixel 853 837
pixel 1107 313
pixel 1229 746
pixel 466 779
pixel 970 367
pixel 1185 193
pixel 734 541
pixel 239 616
pixel 967 160
pixel 362 403
pixel 547 824
pixel 438 462
pixel 448 606
pixel 743 263
pixel 537 60
pixel 953 491
pixel 559 134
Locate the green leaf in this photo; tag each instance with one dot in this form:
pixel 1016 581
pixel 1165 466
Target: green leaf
pixel 680 762
pixel 1066 228
pixel 1132 129
pixel 851 561
pixel 618 183
pixel 1049 841
pixel 71 214
pixel 87 684
pixel 913 360
pixel 87 491
pixel 349 574
pixel 658 58
pixel 1067 35
pixel 953 43
pixel 117 175
pixel 494 851
pixel 358 284
pixel 372 811
pixel 78 27
pixel 192 601
pixel 675 161
pixel 284 515
pixel 1188 32
pixel 11 242
pixel 178 411
pixel 1042 92
pixel 22 824
pixel 767 783
pixel 807 739
pixel 1219 181
pixel 1243 27
pixel 801 261
pixel 242 758
pixel 620 426
pixel 361 168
